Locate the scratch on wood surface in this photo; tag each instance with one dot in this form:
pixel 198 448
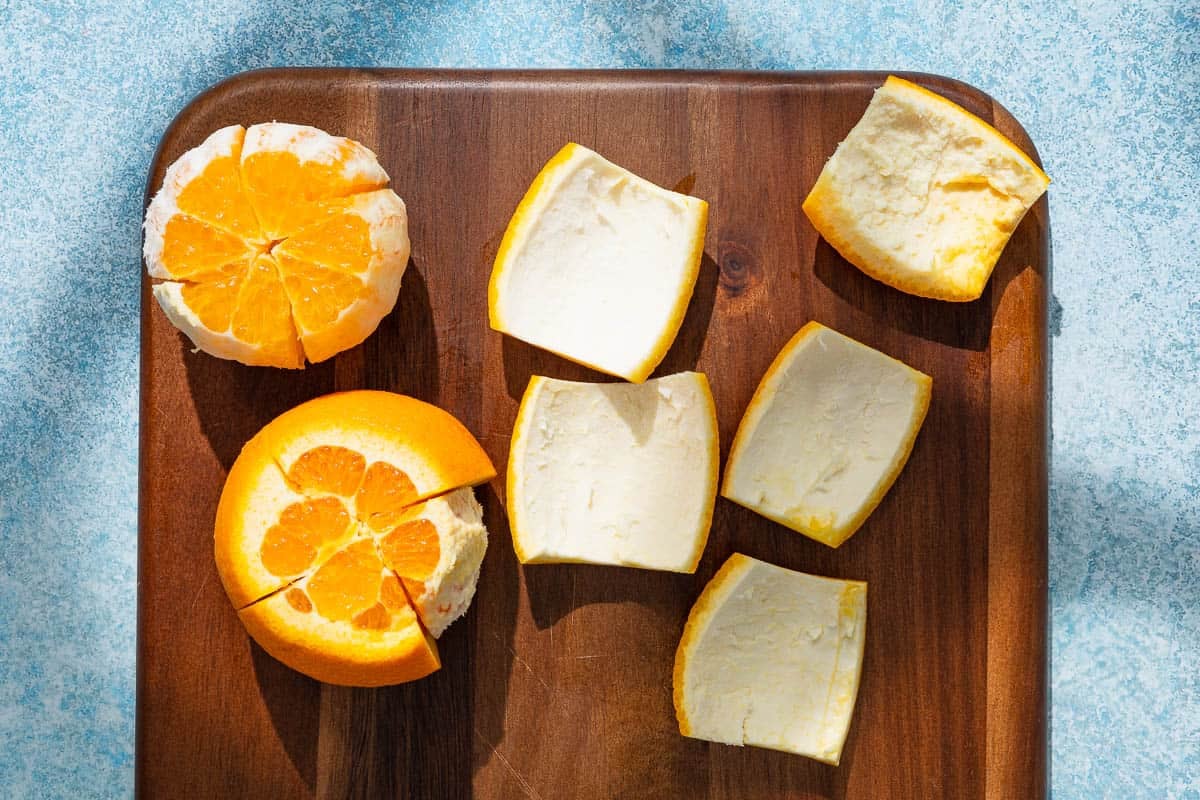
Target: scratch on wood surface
pixel 582 658
pixel 525 785
pixel 199 591
pixel 524 664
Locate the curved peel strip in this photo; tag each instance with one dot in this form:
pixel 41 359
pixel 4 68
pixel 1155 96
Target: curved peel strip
pixel 829 429
pixel 598 265
pixel 923 195
pixel 771 657
pixel 619 474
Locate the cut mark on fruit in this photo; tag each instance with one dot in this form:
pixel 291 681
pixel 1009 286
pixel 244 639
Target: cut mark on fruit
pixel 192 247
pixel 263 315
pixel 272 593
pixel 392 594
pixel 415 589
pixel 319 295
pixel 385 490
pixel 213 296
pixel 328 468
pixel 341 242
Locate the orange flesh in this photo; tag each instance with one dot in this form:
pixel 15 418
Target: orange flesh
pixel 288 192
pixel 286 552
pixel 385 490
pixel 192 248
pixel 290 546
pixel 342 242
pixel 329 468
pixel 391 594
pixel 318 295
pixel 214 300
pixel 348 583
pixel 412 549
pixel 374 618
pixel 366 581
pixel 298 600
pixel 241 210
pixel 216 195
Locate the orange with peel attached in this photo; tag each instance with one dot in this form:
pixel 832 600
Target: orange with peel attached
pixel 347 535
pixel 276 243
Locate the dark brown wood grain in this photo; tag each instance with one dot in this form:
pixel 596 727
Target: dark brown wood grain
pixel 557 684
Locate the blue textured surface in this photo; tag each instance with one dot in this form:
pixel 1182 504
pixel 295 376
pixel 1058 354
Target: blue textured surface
pixel 1110 93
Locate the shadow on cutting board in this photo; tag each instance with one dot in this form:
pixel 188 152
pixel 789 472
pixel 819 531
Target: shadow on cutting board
pixel 233 401
pixel 555 590
pixel 960 325
pixel 402 354
pixel 689 343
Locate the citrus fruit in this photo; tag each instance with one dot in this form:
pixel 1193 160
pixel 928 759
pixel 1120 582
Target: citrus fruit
pixel 347 535
pixel 771 658
pixel 276 243
pixel 598 265
pixel 614 473
pixel 923 195
pixel 827 432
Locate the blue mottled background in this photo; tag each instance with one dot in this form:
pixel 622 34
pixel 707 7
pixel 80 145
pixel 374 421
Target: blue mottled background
pixel 1109 91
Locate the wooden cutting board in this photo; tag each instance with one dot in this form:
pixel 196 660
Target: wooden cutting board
pixel 557 684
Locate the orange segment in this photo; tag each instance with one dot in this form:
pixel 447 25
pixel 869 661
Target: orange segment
pixel 214 300
pixel 411 549
pixel 290 547
pixel 415 588
pixel 367 231
pixel 286 551
pixel 340 242
pixel 289 170
pixel 385 490
pixel 264 319
pixel 211 188
pixel 348 583
pixel 298 600
pixel 318 295
pixel 375 618
pixel 191 249
pixel 328 468
pixel 391 594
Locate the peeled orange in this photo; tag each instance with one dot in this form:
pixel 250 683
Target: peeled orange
pixel 348 538
pixel 276 243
